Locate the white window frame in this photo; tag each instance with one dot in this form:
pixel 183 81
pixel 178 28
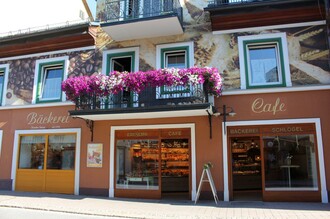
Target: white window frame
pixel 18 133
pixel 5 83
pixel 1 132
pixel 191 126
pixel 115 51
pixel 41 62
pixel 317 121
pixel 105 61
pixel 284 52
pixel 174 46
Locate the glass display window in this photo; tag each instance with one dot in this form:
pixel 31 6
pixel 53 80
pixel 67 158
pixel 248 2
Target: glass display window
pixel 32 151
pixel 290 162
pixel 137 164
pixel 57 151
pixel 61 152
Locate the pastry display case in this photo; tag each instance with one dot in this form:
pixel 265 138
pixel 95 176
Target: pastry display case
pixel 175 165
pixel 246 163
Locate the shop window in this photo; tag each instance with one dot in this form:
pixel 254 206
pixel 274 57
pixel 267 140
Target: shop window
pixel 32 151
pixel 137 164
pixel 290 162
pixel 58 152
pixel 50 74
pixel 0 141
pixel 2 78
pixel 3 83
pixel 178 55
pixel 264 61
pixel 122 60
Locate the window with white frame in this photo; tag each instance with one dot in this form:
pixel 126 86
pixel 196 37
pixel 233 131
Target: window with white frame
pixel 264 61
pixel 50 74
pixel 176 55
pixel 2 80
pixel 121 60
pixel 1 131
pixel 3 83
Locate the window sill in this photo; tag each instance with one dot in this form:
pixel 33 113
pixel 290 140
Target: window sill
pixel 275 90
pixel 38 105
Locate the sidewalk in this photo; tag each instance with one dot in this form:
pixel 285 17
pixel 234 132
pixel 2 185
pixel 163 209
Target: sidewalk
pixel 151 209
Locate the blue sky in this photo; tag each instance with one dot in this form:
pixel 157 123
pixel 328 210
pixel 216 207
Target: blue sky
pixel 92 6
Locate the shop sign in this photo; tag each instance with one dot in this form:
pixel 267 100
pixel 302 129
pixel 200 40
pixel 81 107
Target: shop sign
pixel 137 134
pixel 171 133
pixel 174 133
pixel 243 131
pixel 34 118
pixel 259 105
pixel 287 129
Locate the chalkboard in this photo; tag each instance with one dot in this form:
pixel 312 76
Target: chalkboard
pixel 210 181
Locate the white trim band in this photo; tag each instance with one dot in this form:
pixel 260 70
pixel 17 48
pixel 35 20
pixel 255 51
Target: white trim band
pixel 256 29
pixel 275 90
pixel 48 53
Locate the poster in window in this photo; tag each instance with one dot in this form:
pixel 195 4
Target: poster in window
pixel 94 155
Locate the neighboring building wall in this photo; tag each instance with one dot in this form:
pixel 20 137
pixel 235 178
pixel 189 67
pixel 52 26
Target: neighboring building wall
pixel 82 61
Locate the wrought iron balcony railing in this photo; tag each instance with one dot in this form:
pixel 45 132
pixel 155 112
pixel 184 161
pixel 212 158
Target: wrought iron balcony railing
pixel 216 3
pixel 123 10
pixel 150 97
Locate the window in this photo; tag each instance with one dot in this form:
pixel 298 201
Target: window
pixel 2 78
pixel 137 164
pixel 290 162
pixel 121 60
pixel 50 74
pixel 1 131
pixel 59 151
pixel 178 55
pixel 264 61
pixel 3 83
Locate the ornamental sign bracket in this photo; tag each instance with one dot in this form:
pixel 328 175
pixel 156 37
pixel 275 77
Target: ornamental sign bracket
pixel 89 124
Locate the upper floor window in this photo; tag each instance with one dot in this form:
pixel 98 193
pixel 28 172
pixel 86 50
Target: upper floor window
pixel 121 60
pixel 177 55
pixel 49 76
pixel 3 83
pixel 264 61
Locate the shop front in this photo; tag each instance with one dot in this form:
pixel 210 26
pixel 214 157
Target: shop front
pixel 274 162
pixel 152 161
pixel 275 148
pixel 47 160
pixel 43 153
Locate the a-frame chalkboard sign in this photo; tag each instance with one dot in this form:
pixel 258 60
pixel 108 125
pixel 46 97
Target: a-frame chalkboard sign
pixel 209 179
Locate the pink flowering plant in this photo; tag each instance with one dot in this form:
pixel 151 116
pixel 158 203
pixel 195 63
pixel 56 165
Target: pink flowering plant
pixel 102 85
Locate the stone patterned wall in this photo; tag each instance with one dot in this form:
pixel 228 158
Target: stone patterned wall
pixel 21 73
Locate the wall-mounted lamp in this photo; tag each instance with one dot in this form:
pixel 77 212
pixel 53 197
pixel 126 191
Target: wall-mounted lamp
pixel 226 111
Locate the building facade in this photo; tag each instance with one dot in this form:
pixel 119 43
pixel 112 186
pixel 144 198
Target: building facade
pixel 155 143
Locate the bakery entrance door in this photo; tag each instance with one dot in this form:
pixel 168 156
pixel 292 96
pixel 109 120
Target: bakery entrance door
pixel 246 169
pixel 175 168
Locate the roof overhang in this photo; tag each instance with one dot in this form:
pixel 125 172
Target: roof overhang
pixel 144 113
pixel 143 28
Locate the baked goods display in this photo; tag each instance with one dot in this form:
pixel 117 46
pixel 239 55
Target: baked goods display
pixel 175 157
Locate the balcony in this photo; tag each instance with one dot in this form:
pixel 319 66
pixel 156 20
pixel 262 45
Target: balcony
pixel 136 19
pixel 237 14
pixel 158 93
pixel 150 103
